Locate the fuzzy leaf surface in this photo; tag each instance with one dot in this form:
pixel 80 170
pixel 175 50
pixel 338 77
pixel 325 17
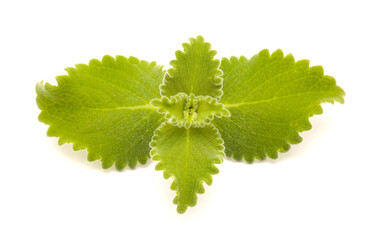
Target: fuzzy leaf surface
pixel 186 111
pixel 270 98
pixel 189 156
pixel 104 107
pixel 194 71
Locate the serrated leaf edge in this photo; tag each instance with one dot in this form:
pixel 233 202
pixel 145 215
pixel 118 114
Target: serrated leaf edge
pixel 159 167
pixel 305 126
pixel 218 74
pixel 181 96
pixel 41 86
pixel 210 116
pixel 167 115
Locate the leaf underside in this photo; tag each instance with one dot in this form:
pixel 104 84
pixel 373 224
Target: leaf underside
pixel 104 107
pixel 194 71
pixel 188 155
pixel 270 98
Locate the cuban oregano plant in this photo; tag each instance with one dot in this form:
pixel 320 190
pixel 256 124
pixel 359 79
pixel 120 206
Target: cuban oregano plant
pixel 124 111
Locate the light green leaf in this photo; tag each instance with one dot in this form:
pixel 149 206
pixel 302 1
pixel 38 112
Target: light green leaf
pixel 209 107
pixel 186 111
pixel 270 99
pixel 188 155
pixel 173 107
pixel 104 107
pixel 194 71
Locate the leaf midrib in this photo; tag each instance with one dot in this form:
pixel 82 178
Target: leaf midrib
pixel 187 148
pixel 138 107
pixel 234 105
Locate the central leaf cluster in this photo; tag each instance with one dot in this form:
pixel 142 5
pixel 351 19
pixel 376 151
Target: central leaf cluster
pixel 187 144
pixel 190 111
pixel 186 111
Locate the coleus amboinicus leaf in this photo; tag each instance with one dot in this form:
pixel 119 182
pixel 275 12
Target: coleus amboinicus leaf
pixel 123 111
pixel 186 111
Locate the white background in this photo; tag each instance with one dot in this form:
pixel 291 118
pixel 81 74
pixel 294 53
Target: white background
pixel 327 187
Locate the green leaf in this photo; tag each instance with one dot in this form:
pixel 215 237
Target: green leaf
pixel 207 108
pixel 194 71
pixel 104 107
pixel 270 99
pixel 173 107
pixel 186 111
pixel 188 155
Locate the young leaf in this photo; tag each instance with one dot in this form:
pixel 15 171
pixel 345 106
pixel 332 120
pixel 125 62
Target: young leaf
pixel 270 99
pixel 194 71
pixel 104 107
pixel 186 111
pixel 188 155
pixel 173 107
